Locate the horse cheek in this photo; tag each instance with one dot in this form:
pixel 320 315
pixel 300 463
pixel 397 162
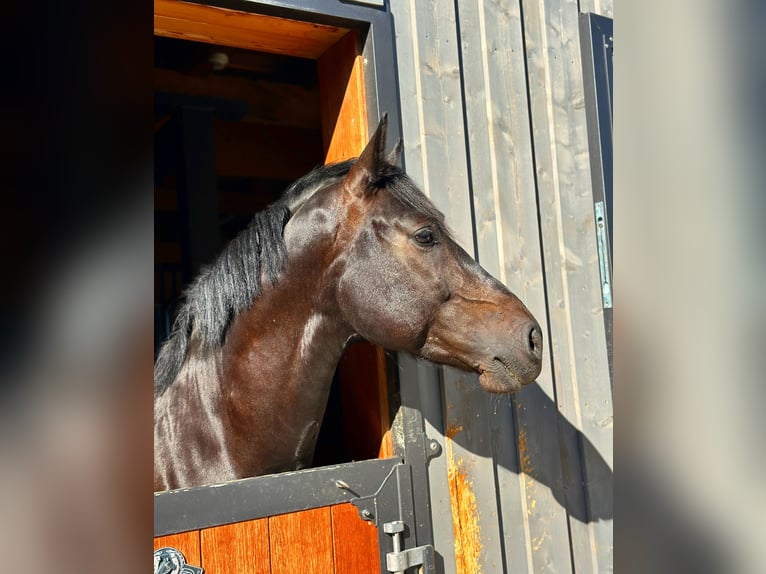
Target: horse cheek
pixel 382 311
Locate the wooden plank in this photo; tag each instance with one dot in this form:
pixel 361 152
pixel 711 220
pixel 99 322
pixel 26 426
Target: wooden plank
pixel 237 548
pixel 534 517
pixel 188 543
pixel 276 152
pixel 301 542
pixel 355 542
pixel 274 103
pixel 440 148
pixel 342 100
pixel 577 333
pixel 226 27
pixel 422 89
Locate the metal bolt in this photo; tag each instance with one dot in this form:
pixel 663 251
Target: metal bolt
pixel 367 514
pixel 393 527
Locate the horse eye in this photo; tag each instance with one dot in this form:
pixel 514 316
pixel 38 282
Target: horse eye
pixel 424 236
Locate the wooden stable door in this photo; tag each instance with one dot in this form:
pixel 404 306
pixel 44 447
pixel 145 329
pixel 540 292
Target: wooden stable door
pixel 330 539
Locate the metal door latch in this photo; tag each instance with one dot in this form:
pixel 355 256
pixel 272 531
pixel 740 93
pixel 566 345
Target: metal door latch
pixel 171 561
pixel 399 560
pixel 603 255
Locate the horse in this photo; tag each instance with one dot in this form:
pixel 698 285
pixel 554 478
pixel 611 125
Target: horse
pixel 353 250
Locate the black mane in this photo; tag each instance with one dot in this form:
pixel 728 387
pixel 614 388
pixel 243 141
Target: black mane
pixel 233 281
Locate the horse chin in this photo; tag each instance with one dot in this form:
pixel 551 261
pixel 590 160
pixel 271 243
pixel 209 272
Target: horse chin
pixel 498 378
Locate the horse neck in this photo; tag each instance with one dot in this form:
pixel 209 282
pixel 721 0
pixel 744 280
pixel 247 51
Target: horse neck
pixel 278 362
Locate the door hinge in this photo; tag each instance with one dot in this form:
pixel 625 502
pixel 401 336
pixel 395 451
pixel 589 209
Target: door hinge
pixel 399 560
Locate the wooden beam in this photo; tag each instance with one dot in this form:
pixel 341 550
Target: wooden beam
pixel 198 189
pixel 226 27
pixel 267 102
pixel 342 100
pixel 364 385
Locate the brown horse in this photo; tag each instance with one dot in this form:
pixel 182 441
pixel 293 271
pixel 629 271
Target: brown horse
pixel 352 250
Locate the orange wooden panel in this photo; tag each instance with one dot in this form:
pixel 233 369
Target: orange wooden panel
pixel 344 134
pixel 301 542
pixel 342 100
pixel 186 542
pixel 241 548
pixel 242 29
pixel 355 542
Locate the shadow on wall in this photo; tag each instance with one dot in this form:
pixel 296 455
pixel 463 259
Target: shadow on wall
pixel 584 482
pixel 538 441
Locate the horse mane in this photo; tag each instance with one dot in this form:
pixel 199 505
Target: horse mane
pixel 231 284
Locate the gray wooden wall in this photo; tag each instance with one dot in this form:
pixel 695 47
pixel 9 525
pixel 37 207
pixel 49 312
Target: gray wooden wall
pixel 494 130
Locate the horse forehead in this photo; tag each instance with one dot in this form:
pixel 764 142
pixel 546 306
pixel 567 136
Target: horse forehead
pixel 389 206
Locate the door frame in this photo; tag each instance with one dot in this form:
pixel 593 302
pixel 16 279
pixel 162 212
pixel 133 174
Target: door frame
pixel 370 20
pixel 403 476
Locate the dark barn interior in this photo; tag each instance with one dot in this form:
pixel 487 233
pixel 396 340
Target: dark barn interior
pixel 232 129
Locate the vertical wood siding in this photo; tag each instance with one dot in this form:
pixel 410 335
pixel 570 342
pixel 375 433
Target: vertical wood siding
pixel 494 129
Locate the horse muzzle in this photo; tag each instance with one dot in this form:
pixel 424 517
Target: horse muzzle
pixel 517 365
pixel 499 340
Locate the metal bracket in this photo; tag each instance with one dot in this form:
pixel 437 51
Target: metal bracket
pixel 399 560
pixel 434 449
pixel 368 505
pixel 391 509
pixel 603 255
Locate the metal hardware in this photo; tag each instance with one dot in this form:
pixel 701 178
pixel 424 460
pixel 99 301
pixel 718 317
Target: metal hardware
pixel 251 498
pixel 434 449
pixel 391 507
pixel 399 560
pixel 368 505
pixel 603 255
pixel 170 561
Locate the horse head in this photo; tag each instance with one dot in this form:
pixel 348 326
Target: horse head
pixel 401 280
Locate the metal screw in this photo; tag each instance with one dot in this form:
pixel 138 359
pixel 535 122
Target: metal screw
pixel 366 513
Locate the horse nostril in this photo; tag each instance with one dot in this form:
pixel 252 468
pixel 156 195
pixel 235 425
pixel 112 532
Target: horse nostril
pixel 536 342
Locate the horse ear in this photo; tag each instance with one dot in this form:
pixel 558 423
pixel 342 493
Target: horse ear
pixel 370 162
pixel 395 154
